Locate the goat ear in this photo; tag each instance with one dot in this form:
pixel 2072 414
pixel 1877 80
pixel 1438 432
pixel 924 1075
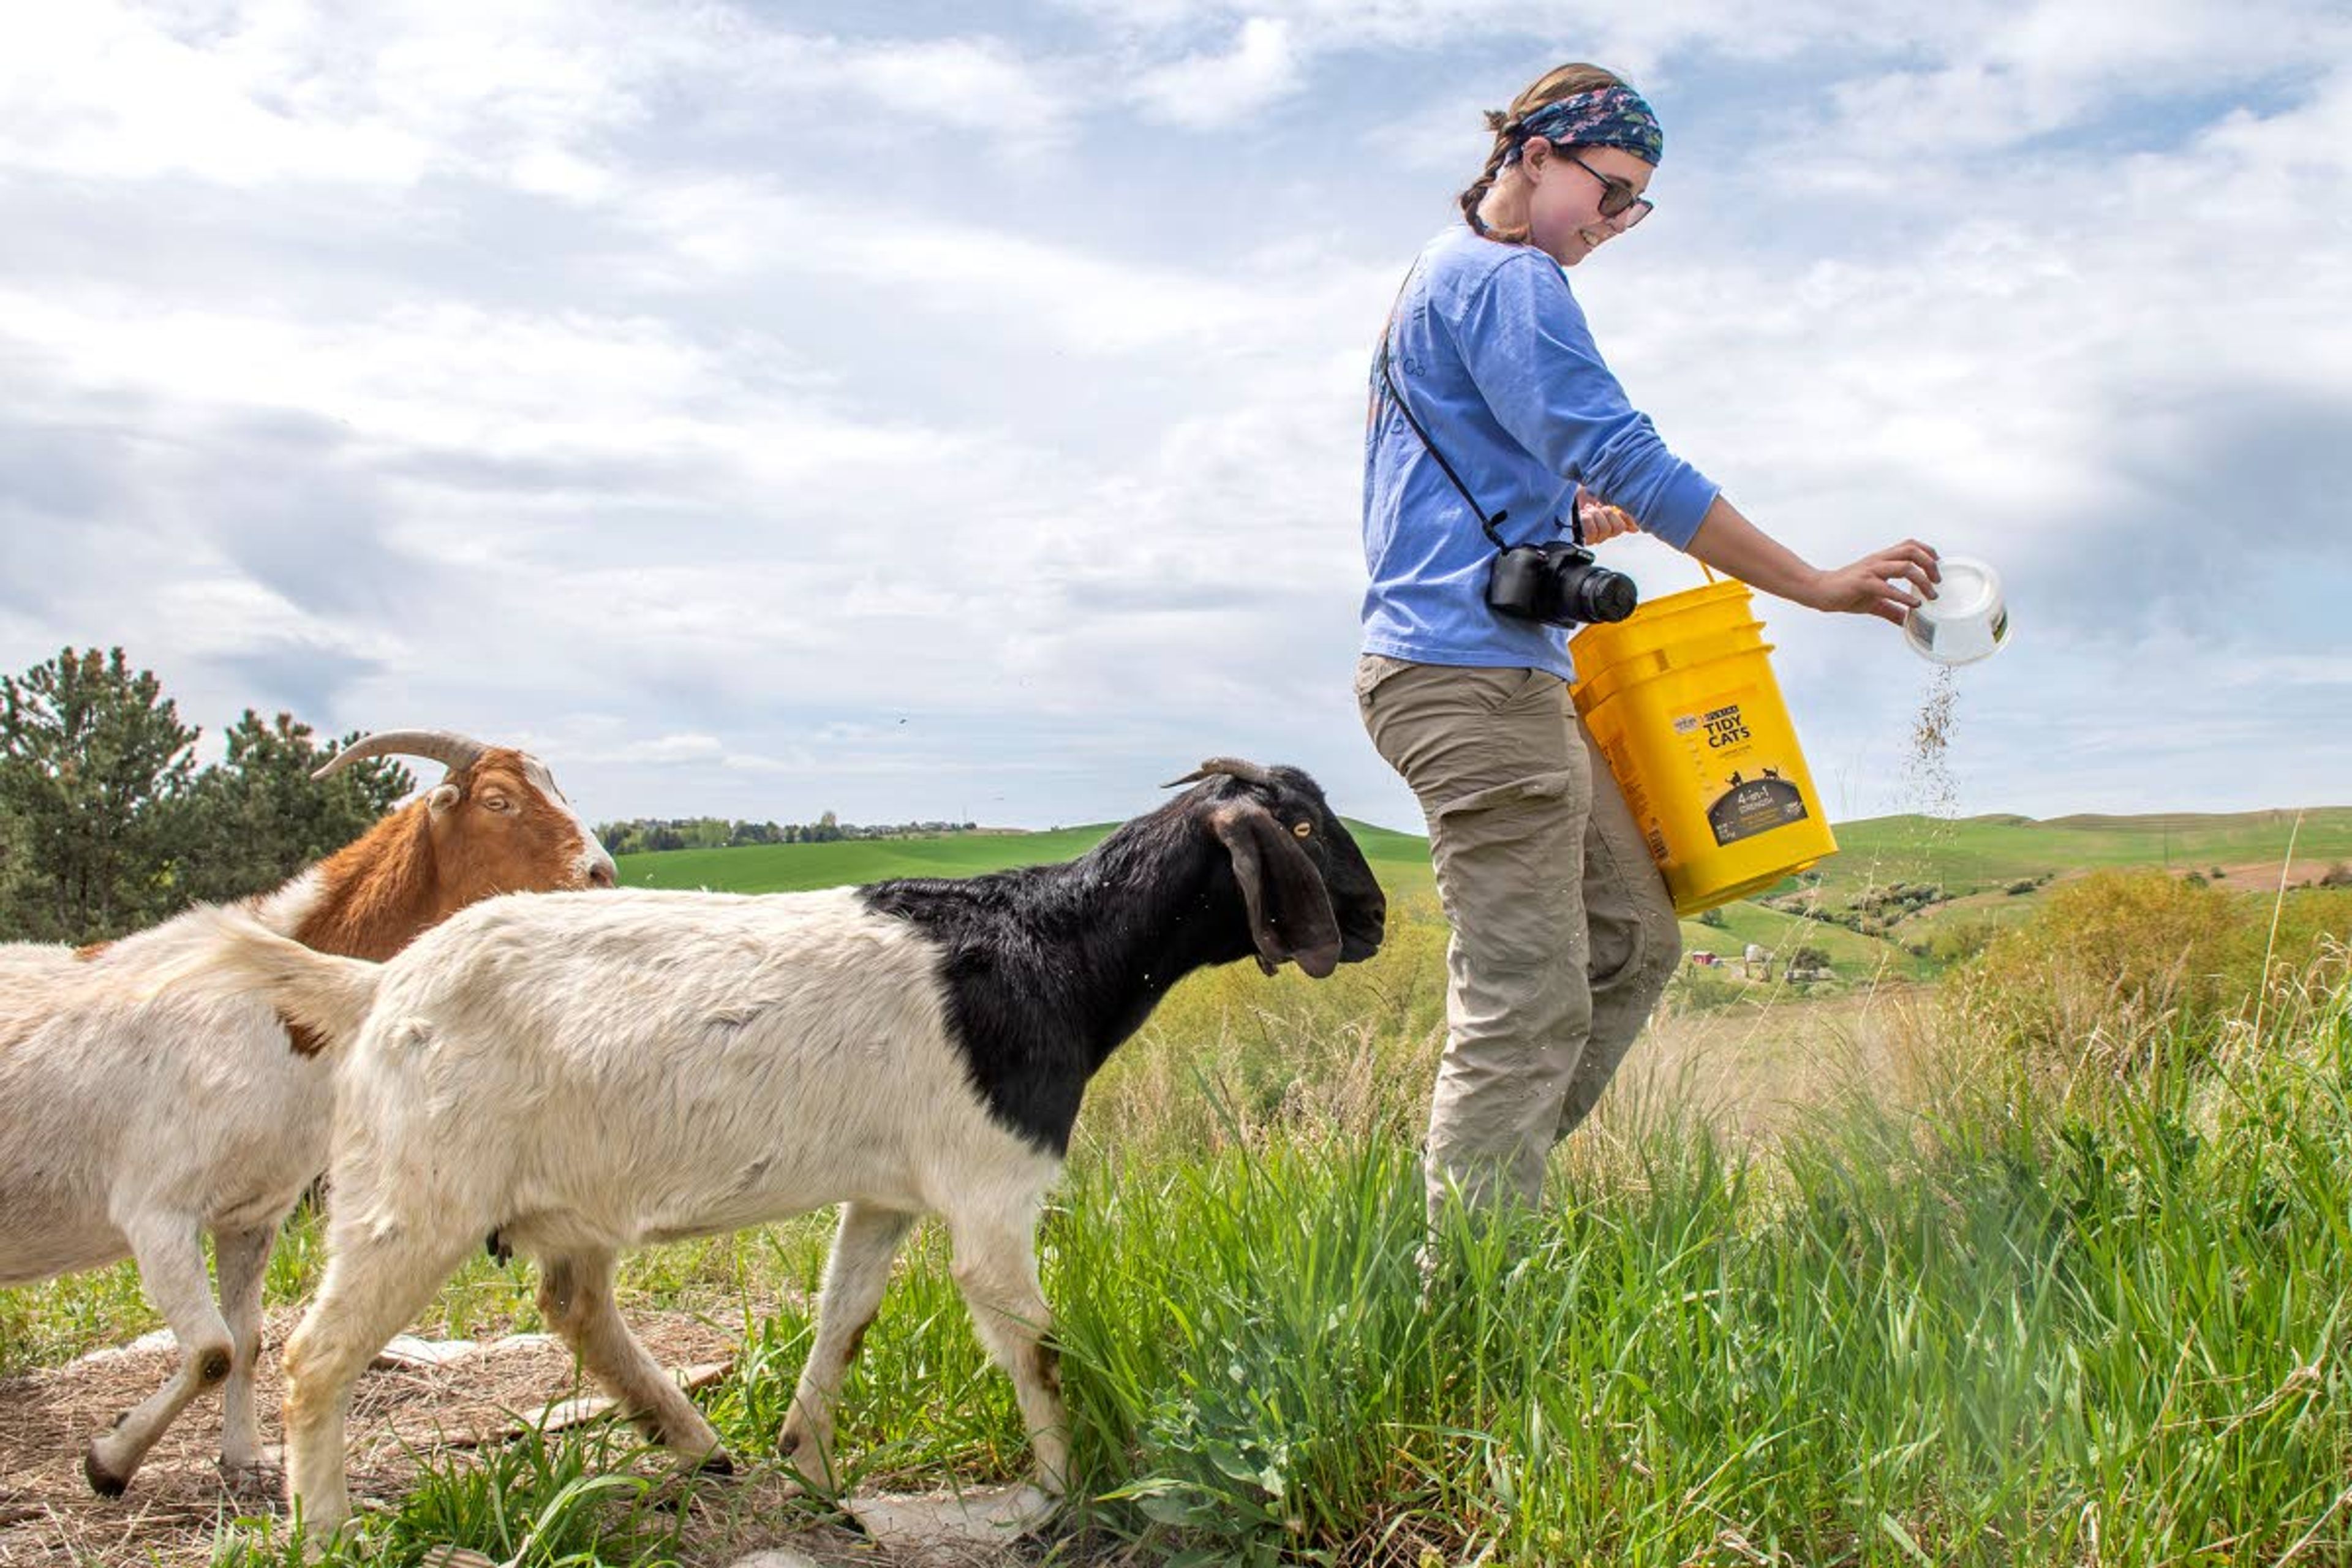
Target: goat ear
pixel 443 798
pixel 1289 910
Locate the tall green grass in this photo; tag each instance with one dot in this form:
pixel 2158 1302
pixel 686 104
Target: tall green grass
pixel 1994 1330
pixel 2077 1294
pixel 543 1500
pixel 1993 1327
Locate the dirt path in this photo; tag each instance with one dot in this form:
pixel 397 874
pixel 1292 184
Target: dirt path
pixel 179 1503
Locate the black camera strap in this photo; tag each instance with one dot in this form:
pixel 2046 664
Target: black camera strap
pixel 1388 377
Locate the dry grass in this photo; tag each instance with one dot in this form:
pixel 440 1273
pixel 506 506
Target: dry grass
pixel 180 1498
pixel 1752 1073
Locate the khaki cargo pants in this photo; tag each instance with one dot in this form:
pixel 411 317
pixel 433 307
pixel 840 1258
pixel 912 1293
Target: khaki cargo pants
pixel 1564 936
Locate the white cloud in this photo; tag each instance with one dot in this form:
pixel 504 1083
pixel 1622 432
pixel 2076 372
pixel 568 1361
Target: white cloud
pixel 629 378
pixel 98 90
pixel 529 93
pixel 1204 91
pixel 940 268
pixel 976 84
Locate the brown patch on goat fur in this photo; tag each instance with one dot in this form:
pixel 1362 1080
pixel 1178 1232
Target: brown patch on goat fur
pixel 301 1039
pixel 390 886
pixel 89 952
pixel 1046 1363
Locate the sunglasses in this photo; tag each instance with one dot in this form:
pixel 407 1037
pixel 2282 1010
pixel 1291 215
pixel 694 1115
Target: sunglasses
pixel 1618 197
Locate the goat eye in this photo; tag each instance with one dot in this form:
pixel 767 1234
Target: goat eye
pixel 1305 830
pixel 497 802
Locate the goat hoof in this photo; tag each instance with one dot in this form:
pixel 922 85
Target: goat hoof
pixel 261 1472
pixel 102 1482
pixel 808 1474
pixel 718 1462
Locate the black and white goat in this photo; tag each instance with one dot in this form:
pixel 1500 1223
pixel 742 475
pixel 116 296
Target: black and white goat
pixel 577 1076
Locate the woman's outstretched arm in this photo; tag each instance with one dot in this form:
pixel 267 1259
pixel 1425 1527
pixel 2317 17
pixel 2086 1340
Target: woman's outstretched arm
pixel 1887 582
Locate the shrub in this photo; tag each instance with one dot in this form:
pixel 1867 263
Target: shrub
pixel 1958 941
pixel 1698 989
pixel 2119 960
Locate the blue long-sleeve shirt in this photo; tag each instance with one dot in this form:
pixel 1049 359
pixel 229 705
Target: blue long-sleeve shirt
pixel 1493 350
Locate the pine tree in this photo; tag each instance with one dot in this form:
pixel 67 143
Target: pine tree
pixel 95 770
pixel 260 816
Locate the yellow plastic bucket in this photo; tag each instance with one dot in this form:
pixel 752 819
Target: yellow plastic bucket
pixel 1681 700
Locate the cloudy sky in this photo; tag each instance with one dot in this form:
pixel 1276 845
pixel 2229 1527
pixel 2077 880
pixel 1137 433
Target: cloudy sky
pixel 955 411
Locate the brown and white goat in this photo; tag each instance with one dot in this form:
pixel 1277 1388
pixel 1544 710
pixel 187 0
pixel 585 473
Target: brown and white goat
pixel 131 1123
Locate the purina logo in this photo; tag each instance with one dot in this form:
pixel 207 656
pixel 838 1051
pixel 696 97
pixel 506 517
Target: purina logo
pixel 1684 723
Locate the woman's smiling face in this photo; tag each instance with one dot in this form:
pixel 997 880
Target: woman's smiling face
pixel 1567 189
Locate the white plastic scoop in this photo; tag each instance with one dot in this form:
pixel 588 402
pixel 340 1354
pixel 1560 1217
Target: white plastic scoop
pixel 1966 621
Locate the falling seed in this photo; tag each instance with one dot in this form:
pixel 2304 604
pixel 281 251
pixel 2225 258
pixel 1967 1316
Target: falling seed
pixel 1927 772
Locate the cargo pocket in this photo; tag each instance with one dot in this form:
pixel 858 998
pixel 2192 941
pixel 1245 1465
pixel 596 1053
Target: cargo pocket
pixel 1371 671
pixel 1537 791
pixel 1510 866
pixel 1515 690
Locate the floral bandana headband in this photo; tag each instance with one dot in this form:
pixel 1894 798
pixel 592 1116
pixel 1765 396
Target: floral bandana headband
pixel 1605 117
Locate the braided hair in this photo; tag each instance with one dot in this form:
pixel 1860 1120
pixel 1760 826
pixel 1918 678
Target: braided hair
pixel 1509 129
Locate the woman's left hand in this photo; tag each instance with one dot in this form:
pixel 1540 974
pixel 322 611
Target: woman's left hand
pixel 1602 523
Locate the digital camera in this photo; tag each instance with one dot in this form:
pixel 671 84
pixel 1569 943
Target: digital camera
pixel 1559 583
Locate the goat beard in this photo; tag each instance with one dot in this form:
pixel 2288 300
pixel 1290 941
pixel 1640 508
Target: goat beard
pixel 1265 964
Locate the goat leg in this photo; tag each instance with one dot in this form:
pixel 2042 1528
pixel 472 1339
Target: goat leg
pixel 241 1260
pixel 374 1288
pixel 575 1297
pixel 172 1269
pixel 997 1269
pixel 856 1276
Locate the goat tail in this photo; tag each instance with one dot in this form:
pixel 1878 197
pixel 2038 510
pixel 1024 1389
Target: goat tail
pixel 324 997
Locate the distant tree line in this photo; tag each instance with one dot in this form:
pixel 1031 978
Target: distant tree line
pixel 643 834
pixel 107 825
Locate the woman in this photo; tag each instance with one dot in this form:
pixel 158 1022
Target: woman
pixel 1563 934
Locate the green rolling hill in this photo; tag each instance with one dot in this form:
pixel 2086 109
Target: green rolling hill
pixel 1897 884
pixel 1987 849
pixel 1400 859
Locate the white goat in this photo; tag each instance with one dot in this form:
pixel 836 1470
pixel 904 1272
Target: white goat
pixel 572 1076
pixel 132 1122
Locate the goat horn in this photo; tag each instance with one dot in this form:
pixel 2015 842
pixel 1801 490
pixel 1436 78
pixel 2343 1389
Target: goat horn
pixel 455 751
pixel 1248 772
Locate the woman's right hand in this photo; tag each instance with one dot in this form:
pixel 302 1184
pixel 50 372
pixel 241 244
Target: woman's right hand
pixel 1887 582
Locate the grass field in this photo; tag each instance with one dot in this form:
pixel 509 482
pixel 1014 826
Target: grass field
pixel 1979 851
pixel 1861 1280
pixel 1973 861
pixel 1400 860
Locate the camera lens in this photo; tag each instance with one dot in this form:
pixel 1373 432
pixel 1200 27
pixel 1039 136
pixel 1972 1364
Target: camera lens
pixel 1606 595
